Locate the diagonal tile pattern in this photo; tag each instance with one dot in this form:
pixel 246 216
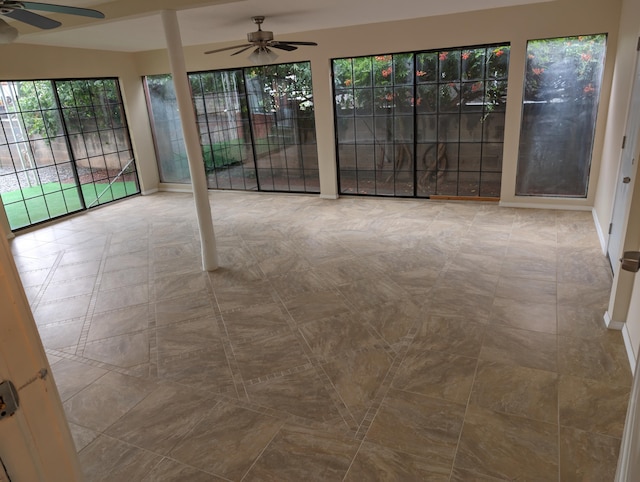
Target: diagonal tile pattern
pixel 355 339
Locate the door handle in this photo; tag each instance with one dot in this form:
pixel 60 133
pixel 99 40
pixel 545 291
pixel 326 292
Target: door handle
pixel 626 180
pixel 631 261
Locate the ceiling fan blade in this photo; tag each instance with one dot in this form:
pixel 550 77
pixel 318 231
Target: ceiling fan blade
pixel 242 50
pixel 283 46
pixel 298 43
pixel 48 7
pixel 228 48
pixel 33 19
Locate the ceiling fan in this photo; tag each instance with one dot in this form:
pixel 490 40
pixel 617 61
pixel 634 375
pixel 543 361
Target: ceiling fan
pixel 263 41
pixel 21 11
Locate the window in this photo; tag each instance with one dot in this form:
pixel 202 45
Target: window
pixel 561 94
pixel 422 124
pixel 256 124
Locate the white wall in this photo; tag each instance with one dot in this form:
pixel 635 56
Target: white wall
pixel 625 55
pixel 511 24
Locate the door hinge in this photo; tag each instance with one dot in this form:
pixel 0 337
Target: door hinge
pixel 610 227
pixel 624 141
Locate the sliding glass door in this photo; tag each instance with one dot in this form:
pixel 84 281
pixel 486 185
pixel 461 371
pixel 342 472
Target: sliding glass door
pixel 64 147
pixel 422 124
pixel 257 128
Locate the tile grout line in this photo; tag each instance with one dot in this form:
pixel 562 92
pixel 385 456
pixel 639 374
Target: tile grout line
pixel 47 281
pixel 151 307
pixel 319 370
pixel 84 333
pixel 386 383
pixel 236 375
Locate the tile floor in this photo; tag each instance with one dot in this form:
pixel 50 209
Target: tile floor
pixel 359 339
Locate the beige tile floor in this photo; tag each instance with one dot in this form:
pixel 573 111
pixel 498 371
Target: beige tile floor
pixel 359 339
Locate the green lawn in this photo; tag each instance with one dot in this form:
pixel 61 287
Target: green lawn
pixel 38 203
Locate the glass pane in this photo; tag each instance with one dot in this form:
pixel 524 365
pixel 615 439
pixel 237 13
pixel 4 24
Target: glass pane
pixel 366 182
pixel 490 184
pixel 448 127
pixel 168 139
pixel 362 72
pixel 427 99
pixel 427 67
pixel 383 73
pixel 470 156
pixel 468 184
pixel 449 65
pixel 561 93
pixel 347 155
pixel 365 156
pixel 447 184
pixel 16 213
pixel 342 73
pixel 449 97
pixel 473 61
pixel 473 96
pixel 471 127
pixel 348 182
pixel 498 62
pixel 492 157
pixel 427 128
pixel 403 69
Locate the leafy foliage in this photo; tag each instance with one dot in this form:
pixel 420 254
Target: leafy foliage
pixel 564 69
pixel 424 81
pixel 87 105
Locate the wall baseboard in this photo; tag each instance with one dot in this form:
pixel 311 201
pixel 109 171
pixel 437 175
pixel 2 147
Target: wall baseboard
pixel 150 191
pixel 185 188
pixel 601 236
pixel 329 196
pixel 613 325
pixel 563 207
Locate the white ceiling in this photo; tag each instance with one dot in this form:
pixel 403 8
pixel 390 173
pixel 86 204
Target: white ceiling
pixel 138 29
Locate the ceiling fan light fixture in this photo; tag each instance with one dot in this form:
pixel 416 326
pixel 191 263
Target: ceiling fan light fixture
pixel 7 33
pixel 262 55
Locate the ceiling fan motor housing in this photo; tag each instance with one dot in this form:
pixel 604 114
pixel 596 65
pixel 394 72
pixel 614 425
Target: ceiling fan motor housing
pixel 10 6
pixel 260 36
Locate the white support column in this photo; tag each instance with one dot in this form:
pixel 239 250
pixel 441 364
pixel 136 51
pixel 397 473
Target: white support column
pixel 325 130
pixel 191 139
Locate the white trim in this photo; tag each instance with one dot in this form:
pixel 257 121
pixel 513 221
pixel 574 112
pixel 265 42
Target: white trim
pixel 149 191
pixel 328 196
pixel 170 187
pixel 628 462
pixel 629 347
pixel 567 207
pixel 601 236
pixel 613 325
